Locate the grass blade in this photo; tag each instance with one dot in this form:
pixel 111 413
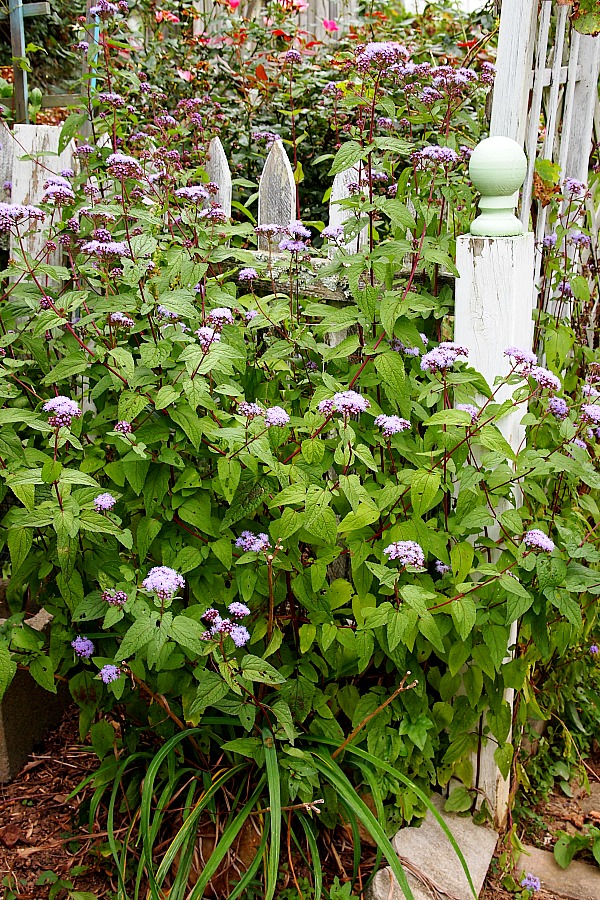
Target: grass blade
pixel 252 869
pixel 272 767
pixel 314 854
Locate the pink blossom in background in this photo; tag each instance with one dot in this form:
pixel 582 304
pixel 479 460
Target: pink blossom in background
pixel 233 4
pixel 330 25
pixel 185 74
pixel 166 16
pixel 300 5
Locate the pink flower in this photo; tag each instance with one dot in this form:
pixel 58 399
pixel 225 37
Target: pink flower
pixel 233 4
pixel 185 74
pixel 166 16
pixel 330 25
pixel 300 5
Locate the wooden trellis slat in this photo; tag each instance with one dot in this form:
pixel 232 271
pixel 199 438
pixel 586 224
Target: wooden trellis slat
pixel 276 192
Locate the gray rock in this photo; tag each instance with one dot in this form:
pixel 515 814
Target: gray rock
pixel 427 849
pixel 579 881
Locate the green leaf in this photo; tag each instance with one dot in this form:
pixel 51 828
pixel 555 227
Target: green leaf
pixel 166 395
pixel 210 691
pixel 586 17
pixel 230 472
pixel 400 214
pixel 138 635
pixel 423 490
pixel 496 640
pixel 8 668
pixel 390 369
pixel 460 800
pixel 73 364
pixel 51 471
pixel 256 669
pixel 461 560
pixel 42 671
pixel 348 154
pixel 273 781
pixel 147 530
pixel 564 850
pixel 188 633
pixel 448 417
pixel 102 735
pixel 131 405
pixel 19 544
pixel 464 614
pixel 313 451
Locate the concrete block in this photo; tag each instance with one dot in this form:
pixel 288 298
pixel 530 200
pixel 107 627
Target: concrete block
pixel 579 881
pixel 26 712
pixel 427 850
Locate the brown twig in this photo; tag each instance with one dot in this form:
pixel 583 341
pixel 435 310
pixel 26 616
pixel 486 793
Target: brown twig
pixel 399 690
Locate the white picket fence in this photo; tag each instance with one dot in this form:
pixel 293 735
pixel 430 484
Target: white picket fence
pixel 309 20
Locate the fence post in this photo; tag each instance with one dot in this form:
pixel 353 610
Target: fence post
pixel 494 311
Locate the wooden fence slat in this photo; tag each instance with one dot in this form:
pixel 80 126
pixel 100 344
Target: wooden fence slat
pixel 514 68
pixel 576 161
pixel 276 192
pixel 17 44
pixel 218 171
pixel 338 215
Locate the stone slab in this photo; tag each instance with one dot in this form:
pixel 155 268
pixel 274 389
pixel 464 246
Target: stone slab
pixel 428 850
pixel 591 803
pixel 579 881
pixel 26 713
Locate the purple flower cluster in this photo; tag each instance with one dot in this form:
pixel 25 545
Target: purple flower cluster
pixel 276 416
pixel 120 320
pixel 194 193
pixel 544 378
pixel 58 190
pixel 163 581
pixel 106 249
pixel 104 502
pixel 333 232
pixel 109 672
pixel 409 553
pixel 579 239
pixel 269 137
pixel 250 314
pixel 594 649
pixel 558 407
pixel 122 166
pixel 248 274
pixel 525 358
pixel 588 390
pixel 239 634
pixel 12 214
pixel 165 313
pixel 469 408
pixel 380 55
pixel 63 410
pixel 83 647
pixel 346 402
pixel 253 543
pixel 531 882
pixel 123 427
pixel 549 242
pixel 293 56
pixel 391 425
pixel 436 155
pixel 238 610
pixel 442 568
pixel 574 188
pixel 207 336
pixel 293 245
pixel 220 316
pixel 590 412
pixel 443 356
pixel 250 410
pixel 114 598
pixel 537 540
pixel 109 98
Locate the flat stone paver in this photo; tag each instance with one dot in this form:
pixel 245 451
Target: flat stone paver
pixel 428 849
pixel 579 881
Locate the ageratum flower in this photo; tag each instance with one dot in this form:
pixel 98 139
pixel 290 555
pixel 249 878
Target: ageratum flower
pixel 293 56
pixel 239 634
pixel 253 543
pixel 276 416
pixel 106 249
pixel 207 336
pixel 544 378
pixel 436 155
pixel 250 314
pixel 443 356
pixel 63 410
pixel 579 239
pixel 194 193
pixel 109 673
pixel 120 320
pixel 409 553
pixel 114 598
pixel 109 98
pixel 83 647
pixel 380 55
pixel 122 166
pixel 524 358
pixel 588 390
pixel 558 407
pixel 12 214
pixel 163 581
pixel 594 649
pixel 391 425
pixel 469 408
pixel 238 610
pixel 292 245
pixel 220 316
pixel 333 232
pixel 104 502
pixel 248 274
pixel 549 242
pixel 574 188
pixel 537 540
pixel 442 568
pixel 345 402
pixel 531 883
pixel 250 410
pixel 590 412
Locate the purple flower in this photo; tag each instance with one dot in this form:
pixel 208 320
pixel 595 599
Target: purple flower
pixel 13 213
pixel 59 194
pixel 247 274
pixel 123 427
pixel 250 314
pixel 114 598
pixel 109 673
pixel 104 9
pixel 83 647
pixel 120 320
pixel 549 242
pixel 250 410
pixel 521 357
pixel 269 137
pixel 297 229
pixel 442 568
pixel 84 149
pixel 579 239
pixel 391 425
pixel 409 553
pixel 195 193
pixel 293 56
pixel 238 610
pixel 531 882
pixel 380 55
pixel 488 73
pixel 594 649
pixel 207 336
pixel 398 347
pixel 84 46
pixel 106 249
pixel 590 412
pixel 345 402
pixel 578 443
pixel 469 408
pixel 276 416
pixel 122 166
pixel 63 410
pixel 293 246
pixel 574 188
pixel 163 581
pixel 333 232
pixel 444 155
pixel 220 316
pixel 111 99
pixel 104 502
pixel 443 356
pixel 558 407
pixel 564 288
pixel 239 634
pixel 588 390
pixel 544 378
pixel 253 543
pixel 537 540
pixel 211 615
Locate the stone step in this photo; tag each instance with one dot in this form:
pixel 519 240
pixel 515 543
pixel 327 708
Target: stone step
pixel 580 881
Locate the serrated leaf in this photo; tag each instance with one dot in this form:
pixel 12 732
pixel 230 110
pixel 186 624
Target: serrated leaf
pixel 188 633
pixel 138 635
pixel 8 668
pixel 464 614
pixel 423 489
pixel 230 472
pixel 346 157
pixel 256 669
pixel 41 670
